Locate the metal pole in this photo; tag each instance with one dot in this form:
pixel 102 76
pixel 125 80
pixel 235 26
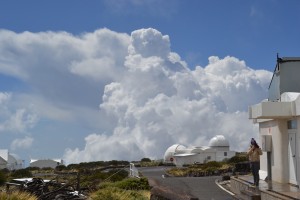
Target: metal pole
pixel 269 166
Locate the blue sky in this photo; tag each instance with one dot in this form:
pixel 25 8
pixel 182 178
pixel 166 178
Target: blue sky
pixel 80 77
pixel 254 31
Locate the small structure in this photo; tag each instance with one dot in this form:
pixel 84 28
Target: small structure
pixel 9 161
pixel 133 171
pixel 44 163
pixel 279 119
pixel 218 150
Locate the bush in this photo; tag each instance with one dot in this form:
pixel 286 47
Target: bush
pixel 213 164
pixel 133 184
pixel 17 196
pixel 2 178
pixel 129 184
pixel 238 158
pixel 146 160
pixel 118 194
pixel 21 173
pixel 33 168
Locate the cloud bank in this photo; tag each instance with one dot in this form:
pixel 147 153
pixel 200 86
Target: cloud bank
pixel 135 94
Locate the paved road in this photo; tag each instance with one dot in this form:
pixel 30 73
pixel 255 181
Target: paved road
pixel 203 188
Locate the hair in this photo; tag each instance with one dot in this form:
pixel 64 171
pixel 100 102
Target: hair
pixel 253 142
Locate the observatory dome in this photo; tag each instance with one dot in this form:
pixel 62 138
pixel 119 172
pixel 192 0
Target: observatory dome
pixel 219 141
pixel 171 151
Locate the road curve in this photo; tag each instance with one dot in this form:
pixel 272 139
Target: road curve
pixel 203 188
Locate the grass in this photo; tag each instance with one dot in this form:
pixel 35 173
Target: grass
pixel 17 196
pixel 207 168
pixel 127 189
pixel 120 194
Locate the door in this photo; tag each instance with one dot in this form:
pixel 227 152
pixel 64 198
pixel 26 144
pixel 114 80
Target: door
pixel 292 157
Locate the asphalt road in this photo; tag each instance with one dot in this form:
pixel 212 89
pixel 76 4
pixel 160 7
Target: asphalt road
pixel 203 188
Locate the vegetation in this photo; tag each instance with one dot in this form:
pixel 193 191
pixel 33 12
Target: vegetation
pixel 239 157
pixel 2 178
pixel 17 196
pixel 97 164
pixel 100 180
pixel 130 188
pixel 145 160
pixel 209 168
pixel 128 184
pixel 120 194
pixel 21 173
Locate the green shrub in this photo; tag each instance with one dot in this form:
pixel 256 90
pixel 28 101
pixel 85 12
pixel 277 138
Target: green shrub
pixel 60 168
pixel 212 164
pixel 146 160
pixel 129 184
pixel 2 178
pixel 238 158
pixel 33 168
pixel 119 194
pixel 21 173
pixel 17 196
pixel 133 184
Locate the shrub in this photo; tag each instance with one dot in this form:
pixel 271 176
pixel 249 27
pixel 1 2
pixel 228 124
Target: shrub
pixel 33 168
pixel 238 159
pixel 133 184
pixel 213 164
pixel 20 173
pixel 17 196
pixel 2 178
pixel 60 168
pixel 117 175
pixel 118 194
pixel 129 184
pixel 146 160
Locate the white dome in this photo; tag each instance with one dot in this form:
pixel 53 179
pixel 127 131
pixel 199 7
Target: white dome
pixel 219 141
pixel 168 157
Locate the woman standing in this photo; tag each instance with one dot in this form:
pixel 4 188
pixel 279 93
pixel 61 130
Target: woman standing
pixel 254 153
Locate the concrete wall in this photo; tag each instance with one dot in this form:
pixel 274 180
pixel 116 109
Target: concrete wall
pixel 278 130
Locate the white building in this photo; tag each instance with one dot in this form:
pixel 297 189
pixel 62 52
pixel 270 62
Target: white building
pixel 43 163
pixel 9 161
pixel 279 121
pixel 218 150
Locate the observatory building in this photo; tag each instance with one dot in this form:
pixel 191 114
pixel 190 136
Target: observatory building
pixel 218 150
pixel 278 118
pixel 9 161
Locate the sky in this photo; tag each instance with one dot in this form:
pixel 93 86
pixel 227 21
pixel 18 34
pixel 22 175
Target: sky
pixel 126 79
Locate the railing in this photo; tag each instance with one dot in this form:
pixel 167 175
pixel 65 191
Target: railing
pixel 133 171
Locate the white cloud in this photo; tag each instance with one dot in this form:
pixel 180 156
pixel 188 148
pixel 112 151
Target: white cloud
pixel 19 121
pixel 160 102
pixel 4 97
pixel 150 98
pixel 15 120
pixel 23 143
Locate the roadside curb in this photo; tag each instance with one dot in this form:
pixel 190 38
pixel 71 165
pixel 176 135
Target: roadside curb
pixel 224 185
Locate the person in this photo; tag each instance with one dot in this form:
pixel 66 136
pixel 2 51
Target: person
pixel 254 153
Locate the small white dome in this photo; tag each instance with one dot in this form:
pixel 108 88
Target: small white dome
pixel 219 141
pixel 168 157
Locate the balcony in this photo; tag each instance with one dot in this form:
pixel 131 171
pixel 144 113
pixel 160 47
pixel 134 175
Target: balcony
pixel 272 110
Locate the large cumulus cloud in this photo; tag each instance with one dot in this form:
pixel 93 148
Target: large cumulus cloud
pixel 161 102
pixel 129 96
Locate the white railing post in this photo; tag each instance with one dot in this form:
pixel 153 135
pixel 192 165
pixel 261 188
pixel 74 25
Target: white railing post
pixel 133 171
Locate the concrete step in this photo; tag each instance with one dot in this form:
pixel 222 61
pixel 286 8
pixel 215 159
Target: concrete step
pixel 247 195
pixel 250 194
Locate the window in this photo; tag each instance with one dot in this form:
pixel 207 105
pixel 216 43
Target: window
pixel 225 153
pixel 292 124
pixel 208 157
